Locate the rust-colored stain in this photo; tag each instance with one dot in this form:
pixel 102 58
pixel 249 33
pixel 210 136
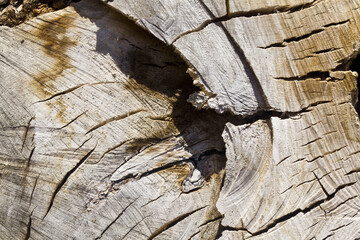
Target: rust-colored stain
pixel 51 35
pixel 181 172
pixel 60 107
pixel 54 42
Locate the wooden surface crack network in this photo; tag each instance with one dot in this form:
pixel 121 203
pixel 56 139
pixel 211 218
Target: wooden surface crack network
pixel 181 120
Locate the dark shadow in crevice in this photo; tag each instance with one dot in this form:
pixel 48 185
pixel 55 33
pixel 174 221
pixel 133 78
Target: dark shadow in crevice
pixel 154 70
pixel 355 66
pixel 150 64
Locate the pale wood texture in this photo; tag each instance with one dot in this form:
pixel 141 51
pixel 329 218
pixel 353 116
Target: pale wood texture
pixel 294 184
pixel 104 136
pixel 302 41
pixel 86 94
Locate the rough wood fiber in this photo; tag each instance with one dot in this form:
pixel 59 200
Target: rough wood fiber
pixel 167 20
pixel 88 95
pixel 299 181
pixel 269 6
pixel 97 140
pixel 299 40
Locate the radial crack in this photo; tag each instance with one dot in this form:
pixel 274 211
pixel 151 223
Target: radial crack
pixel 33 190
pixel 173 223
pixel 120 117
pixel 61 93
pixel 296 212
pixel 119 215
pixel 28 228
pixel 29 158
pixel 26 133
pixel 73 120
pixel 246 14
pixel 293 39
pixel 132 228
pixel 66 177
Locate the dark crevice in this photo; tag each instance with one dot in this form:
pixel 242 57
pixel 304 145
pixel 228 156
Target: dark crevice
pixel 316 223
pixel 132 228
pixel 61 93
pixel 117 118
pixel 246 14
pixel 326 50
pixel 28 228
pixel 65 178
pixel 336 23
pixel 29 158
pixel 302 6
pixel 227 4
pixel 305 182
pixel 345 225
pixel 342 203
pixel 273 10
pixel 33 190
pixel 194 234
pixel 331 234
pixel 210 152
pixel 357 170
pixel 294 39
pixel 73 120
pixel 223 228
pixel 315 74
pixel 192 161
pixel 172 223
pixel 325 154
pixel 277 45
pixel 162 168
pixel 211 221
pixel 310 142
pixel 152 171
pixel 321 185
pixel 153 200
pixel 156 65
pixel 354 65
pixel 81 145
pixel 26 133
pixel 254 80
pixel 111 149
pixel 302 37
pixel 183 114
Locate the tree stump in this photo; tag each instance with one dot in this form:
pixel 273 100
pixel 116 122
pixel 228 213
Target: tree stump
pixel 181 120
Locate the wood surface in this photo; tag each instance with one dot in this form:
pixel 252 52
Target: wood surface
pixel 181 120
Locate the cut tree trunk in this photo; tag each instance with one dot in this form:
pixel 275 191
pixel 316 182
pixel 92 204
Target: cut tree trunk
pixel 181 120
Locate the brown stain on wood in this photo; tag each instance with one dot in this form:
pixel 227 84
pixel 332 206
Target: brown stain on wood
pixel 165 126
pixel 60 107
pixel 51 34
pixel 180 171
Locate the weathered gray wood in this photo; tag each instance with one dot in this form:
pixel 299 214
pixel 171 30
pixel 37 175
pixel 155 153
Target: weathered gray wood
pixel 168 20
pixel 86 93
pixel 267 6
pixel 103 135
pixel 299 169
